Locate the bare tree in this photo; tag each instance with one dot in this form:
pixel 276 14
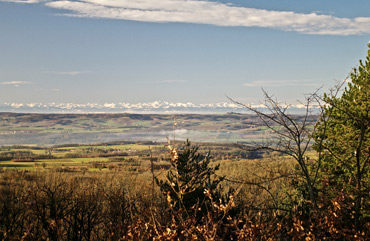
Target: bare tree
pixel 291 135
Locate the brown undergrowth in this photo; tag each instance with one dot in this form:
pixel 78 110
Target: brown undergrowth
pixel 51 205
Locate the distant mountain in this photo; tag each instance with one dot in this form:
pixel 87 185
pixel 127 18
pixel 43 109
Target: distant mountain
pixel 156 107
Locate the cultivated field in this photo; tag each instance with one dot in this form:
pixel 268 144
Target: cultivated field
pixel 132 156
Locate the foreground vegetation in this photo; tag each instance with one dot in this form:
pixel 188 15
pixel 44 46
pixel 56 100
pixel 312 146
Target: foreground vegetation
pixel 195 199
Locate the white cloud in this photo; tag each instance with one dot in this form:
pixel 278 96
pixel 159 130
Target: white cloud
pixel 209 12
pixel 214 13
pixel 15 83
pixel 266 83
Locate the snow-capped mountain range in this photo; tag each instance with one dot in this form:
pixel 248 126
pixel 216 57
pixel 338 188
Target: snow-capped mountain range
pixel 156 107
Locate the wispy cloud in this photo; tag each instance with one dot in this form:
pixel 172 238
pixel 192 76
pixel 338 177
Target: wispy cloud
pixel 70 73
pixel 269 83
pixel 172 81
pixel 209 12
pixel 21 1
pixel 214 13
pixel 15 83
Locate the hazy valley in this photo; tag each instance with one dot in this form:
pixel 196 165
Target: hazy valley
pixel 56 129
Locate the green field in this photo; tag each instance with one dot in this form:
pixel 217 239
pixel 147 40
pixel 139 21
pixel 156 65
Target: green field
pixel 112 156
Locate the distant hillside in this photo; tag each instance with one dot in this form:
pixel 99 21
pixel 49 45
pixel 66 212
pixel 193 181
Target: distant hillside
pixel 54 129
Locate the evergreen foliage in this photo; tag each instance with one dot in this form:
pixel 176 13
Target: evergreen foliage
pixel 344 138
pixel 190 181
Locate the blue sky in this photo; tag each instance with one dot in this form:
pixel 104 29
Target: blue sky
pixel 133 51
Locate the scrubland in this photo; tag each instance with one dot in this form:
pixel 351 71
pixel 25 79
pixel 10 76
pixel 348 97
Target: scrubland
pixel 256 199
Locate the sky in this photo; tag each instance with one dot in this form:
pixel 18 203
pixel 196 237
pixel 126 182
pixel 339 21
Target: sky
pixel 176 51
